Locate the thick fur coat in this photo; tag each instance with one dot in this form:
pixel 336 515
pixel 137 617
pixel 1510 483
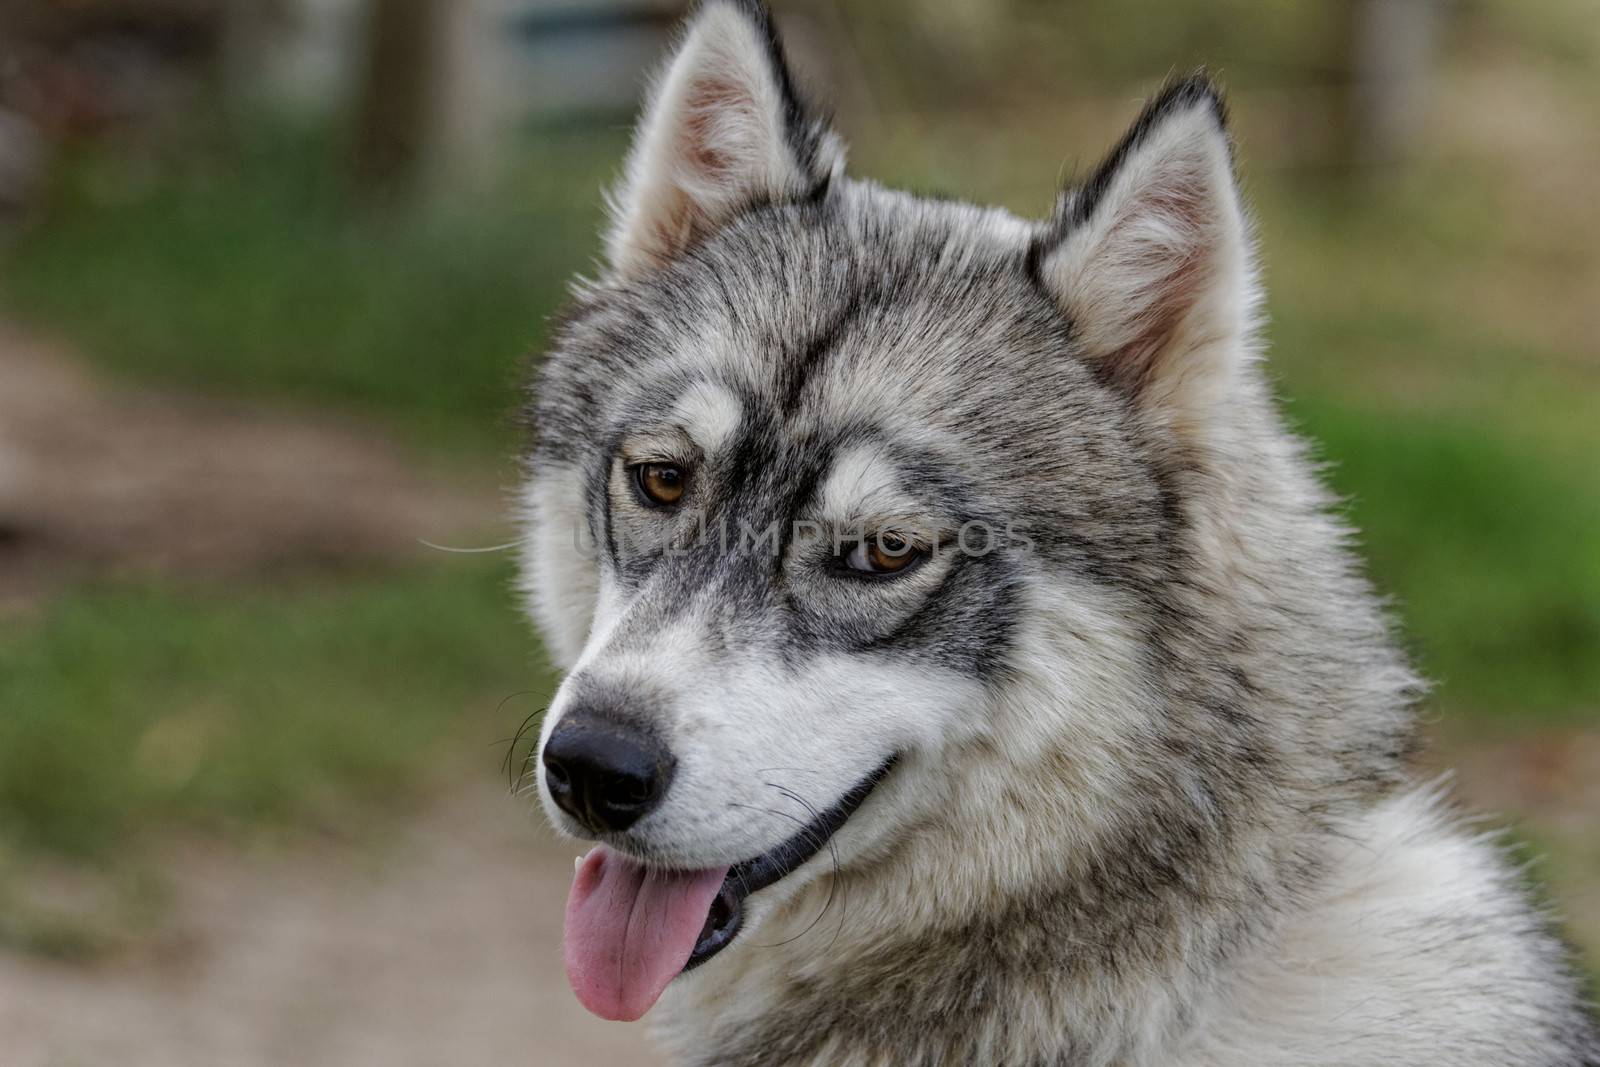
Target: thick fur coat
pixel 1149 801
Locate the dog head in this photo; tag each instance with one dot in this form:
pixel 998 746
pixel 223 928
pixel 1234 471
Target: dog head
pixel 825 474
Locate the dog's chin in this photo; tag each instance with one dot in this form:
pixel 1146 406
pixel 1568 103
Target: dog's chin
pixel 634 925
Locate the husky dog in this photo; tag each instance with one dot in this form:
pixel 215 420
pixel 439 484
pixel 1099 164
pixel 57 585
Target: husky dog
pixel 963 665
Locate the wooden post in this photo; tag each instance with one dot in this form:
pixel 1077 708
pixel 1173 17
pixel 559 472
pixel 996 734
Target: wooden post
pixel 399 110
pixel 1391 50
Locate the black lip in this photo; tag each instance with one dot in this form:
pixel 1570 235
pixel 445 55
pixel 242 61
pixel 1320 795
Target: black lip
pixel 756 874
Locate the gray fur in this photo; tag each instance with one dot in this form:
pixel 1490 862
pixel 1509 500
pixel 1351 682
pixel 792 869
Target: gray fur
pixel 1207 849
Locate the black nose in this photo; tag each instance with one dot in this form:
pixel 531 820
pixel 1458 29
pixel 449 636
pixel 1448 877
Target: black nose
pixel 604 773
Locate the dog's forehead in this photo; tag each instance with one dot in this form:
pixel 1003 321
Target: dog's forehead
pixel 877 307
pixel 797 331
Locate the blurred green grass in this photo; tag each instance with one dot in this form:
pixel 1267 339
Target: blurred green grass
pixel 1456 419
pixel 251 266
pixel 246 704
pixel 132 711
pixel 1488 551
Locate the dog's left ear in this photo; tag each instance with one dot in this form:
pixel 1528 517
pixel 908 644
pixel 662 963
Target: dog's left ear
pixel 1150 258
pixel 723 130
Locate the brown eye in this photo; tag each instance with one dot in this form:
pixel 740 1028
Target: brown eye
pixel 660 484
pixel 883 553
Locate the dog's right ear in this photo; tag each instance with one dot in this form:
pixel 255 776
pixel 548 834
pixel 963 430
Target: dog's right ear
pixel 723 130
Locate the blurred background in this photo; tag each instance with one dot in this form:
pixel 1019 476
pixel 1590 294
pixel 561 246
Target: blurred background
pixel 270 271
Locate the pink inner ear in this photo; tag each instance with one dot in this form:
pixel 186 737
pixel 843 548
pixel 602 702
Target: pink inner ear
pixel 1177 270
pixel 713 140
pixel 714 108
pixel 713 103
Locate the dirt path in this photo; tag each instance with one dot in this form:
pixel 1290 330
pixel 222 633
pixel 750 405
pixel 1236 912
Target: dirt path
pixel 95 480
pixel 442 949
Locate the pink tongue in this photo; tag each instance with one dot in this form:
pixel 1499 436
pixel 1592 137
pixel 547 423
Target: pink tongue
pixel 631 930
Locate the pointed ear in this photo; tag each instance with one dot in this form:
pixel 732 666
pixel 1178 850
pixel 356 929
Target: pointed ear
pixel 1151 260
pixel 723 130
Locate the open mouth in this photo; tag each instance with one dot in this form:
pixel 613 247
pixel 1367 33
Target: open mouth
pixel 631 929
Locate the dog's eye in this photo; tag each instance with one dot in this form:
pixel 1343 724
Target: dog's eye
pixel 660 485
pixel 883 553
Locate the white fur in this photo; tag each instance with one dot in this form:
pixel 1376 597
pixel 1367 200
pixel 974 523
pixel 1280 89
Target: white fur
pixel 709 414
pixel 558 578
pixel 865 488
pixel 1365 971
pixel 745 730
